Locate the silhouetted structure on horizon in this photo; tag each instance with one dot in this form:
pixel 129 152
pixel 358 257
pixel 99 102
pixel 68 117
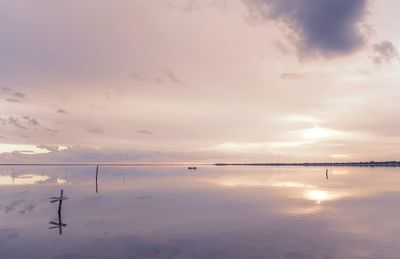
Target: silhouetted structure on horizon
pixel 324 164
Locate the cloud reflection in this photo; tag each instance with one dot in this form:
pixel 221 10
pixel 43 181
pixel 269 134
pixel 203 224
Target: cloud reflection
pixel 25 179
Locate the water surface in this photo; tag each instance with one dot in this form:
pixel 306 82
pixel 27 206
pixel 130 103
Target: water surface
pixel 213 212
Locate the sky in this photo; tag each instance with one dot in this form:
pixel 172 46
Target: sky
pixel 199 81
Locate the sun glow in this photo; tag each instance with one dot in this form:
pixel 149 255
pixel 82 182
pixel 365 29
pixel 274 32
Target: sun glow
pixel 317 133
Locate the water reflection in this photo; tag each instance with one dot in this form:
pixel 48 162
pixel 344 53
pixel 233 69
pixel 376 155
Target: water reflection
pixel 58 224
pixel 232 212
pixel 23 179
pixel 320 196
pixel 61 181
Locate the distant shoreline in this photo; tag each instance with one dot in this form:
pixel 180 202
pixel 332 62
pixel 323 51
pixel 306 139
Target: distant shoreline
pixel 304 164
pixel 320 164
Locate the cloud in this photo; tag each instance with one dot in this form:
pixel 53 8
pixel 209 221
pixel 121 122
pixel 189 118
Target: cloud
pixel 12 100
pixel 293 76
pixel 97 108
pixel 31 121
pixel 323 27
pixel 95 130
pixel 14 122
pixel 26 123
pixel 167 75
pixel 144 132
pixel 12 96
pixel 62 111
pixel 19 95
pixel 52 148
pixel 384 52
pixel 172 76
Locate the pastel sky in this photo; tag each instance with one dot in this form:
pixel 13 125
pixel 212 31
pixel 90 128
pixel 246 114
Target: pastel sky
pixel 199 80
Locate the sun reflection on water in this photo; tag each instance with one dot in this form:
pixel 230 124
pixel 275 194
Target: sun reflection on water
pixel 320 196
pixel 317 195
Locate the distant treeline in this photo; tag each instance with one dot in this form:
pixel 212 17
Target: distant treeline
pixel 368 164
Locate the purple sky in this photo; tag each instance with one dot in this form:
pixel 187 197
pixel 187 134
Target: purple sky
pixel 199 80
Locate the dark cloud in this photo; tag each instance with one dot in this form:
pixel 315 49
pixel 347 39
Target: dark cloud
pixel 384 52
pixel 324 27
pixel 12 100
pixel 12 96
pixel 136 75
pixel 95 130
pixel 50 130
pixel 168 75
pixel 5 89
pixel 31 121
pixel 26 123
pixel 14 122
pixel 19 95
pixel 145 132
pixel 62 111
pixel 172 76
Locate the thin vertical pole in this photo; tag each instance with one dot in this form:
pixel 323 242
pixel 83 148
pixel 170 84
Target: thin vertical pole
pixel 97 172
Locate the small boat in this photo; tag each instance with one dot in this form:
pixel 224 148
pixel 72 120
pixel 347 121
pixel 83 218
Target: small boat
pixel 192 168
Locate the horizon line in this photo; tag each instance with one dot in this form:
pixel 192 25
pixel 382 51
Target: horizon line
pixel 353 163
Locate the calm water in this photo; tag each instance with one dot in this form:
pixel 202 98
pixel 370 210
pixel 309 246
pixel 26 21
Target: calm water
pixel 214 212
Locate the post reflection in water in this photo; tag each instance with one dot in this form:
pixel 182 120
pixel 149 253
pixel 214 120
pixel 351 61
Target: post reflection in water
pixel 58 224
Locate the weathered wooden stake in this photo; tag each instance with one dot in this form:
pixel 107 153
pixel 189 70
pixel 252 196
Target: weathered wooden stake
pixel 97 172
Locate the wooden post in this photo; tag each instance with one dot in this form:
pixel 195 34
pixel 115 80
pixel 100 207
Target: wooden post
pixel 97 172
